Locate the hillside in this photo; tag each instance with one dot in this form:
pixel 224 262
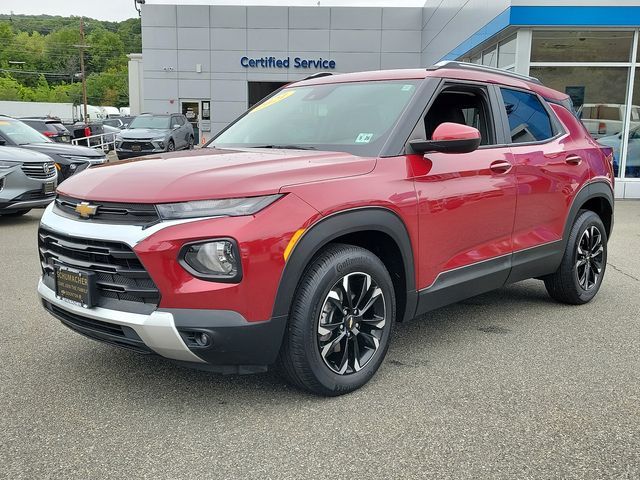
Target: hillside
pixel 39 60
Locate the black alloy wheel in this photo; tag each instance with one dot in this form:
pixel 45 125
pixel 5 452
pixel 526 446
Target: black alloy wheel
pixel 351 323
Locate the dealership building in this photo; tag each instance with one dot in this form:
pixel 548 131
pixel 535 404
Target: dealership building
pixel 212 59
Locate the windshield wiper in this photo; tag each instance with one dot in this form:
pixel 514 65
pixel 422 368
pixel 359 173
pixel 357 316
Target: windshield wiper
pixel 288 147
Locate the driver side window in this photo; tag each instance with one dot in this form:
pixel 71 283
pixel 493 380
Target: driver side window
pixel 464 105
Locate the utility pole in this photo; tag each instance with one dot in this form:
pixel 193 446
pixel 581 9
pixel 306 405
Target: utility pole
pixel 82 46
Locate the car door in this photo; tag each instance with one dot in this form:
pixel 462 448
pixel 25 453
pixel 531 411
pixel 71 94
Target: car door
pixel 550 167
pixel 176 133
pixel 466 202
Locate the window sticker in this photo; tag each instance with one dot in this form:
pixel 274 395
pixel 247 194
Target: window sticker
pixel 273 100
pixel 407 88
pixel 364 137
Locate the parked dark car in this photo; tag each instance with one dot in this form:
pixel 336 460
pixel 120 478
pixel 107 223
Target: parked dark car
pixel 82 130
pixel 149 134
pixel 50 127
pixel 69 159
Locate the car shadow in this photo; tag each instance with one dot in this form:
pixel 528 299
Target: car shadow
pixel 31 217
pixel 118 371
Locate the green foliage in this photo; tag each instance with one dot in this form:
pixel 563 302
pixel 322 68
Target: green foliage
pixel 39 58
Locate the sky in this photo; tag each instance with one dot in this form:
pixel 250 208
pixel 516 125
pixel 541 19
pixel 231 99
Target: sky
pixel 117 10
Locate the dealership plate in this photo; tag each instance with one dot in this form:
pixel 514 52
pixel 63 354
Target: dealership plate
pixel 49 188
pixel 135 148
pixel 75 286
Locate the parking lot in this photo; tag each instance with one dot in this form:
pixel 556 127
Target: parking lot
pixel 505 385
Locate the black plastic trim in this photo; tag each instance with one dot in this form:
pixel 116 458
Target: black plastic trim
pixel 341 223
pixel 235 341
pixel 455 285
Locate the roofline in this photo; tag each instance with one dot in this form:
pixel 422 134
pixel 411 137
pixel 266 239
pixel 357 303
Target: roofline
pixel 451 64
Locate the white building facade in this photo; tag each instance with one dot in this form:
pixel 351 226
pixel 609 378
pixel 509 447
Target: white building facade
pixel 212 60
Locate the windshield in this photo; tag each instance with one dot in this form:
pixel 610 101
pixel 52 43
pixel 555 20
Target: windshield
pixel 148 121
pixel 20 133
pixel 352 117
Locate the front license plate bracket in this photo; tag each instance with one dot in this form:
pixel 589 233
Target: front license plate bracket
pixel 77 287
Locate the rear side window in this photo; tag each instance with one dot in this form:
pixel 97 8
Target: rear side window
pixel 529 121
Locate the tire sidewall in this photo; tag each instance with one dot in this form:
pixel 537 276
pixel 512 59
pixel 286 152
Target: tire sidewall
pixel 584 221
pixel 350 261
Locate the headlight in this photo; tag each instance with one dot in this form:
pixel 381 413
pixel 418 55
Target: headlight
pixel 8 164
pixel 76 158
pixel 213 260
pixel 229 207
pixel 158 139
pixel 118 137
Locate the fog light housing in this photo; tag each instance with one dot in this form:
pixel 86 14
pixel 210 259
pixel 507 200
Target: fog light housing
pixel 215 260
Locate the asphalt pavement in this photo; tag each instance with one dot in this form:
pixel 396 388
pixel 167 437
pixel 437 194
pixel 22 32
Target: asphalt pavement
pixel 505 385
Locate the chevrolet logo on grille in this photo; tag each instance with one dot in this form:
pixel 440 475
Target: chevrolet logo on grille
pixel 86 210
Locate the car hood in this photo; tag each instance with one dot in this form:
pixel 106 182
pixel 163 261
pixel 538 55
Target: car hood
pixel 210 174
pixel 55 148
pixel 16 154
pixel 137 133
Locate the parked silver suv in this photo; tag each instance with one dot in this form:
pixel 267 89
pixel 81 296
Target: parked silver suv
pixel 148 134
pixel 28 180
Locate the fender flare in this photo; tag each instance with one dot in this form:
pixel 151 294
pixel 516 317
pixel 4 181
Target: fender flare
pixel 336 225
pixel 595 189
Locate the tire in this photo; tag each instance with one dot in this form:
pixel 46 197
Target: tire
pixel 580 274
pixel 18 213
pixel 319 333
pixel 190 144
pixel 171 146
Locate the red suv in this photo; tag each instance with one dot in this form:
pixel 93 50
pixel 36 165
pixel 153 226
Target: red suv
pixel 328 212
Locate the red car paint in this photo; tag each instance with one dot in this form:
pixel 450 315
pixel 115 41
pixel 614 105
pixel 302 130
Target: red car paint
pixel 457 211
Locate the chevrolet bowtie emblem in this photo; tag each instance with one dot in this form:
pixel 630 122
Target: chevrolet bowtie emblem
pixel 86 210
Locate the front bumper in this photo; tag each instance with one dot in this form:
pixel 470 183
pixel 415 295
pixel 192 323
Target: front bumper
pixel 19 192
pixel 237 346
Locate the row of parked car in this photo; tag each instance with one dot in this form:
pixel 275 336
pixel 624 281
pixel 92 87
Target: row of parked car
pixel 34 160
pixel 36 154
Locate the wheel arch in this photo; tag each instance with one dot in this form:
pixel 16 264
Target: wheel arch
pixel 366 227
pixel 595 196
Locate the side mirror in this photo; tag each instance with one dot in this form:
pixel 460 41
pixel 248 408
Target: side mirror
pixel 449 138
pixel 176 126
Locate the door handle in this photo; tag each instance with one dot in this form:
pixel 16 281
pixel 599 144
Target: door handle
pixel 500 166
pixel 573 160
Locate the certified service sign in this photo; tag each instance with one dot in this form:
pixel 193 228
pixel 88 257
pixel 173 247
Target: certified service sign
pixel 273 62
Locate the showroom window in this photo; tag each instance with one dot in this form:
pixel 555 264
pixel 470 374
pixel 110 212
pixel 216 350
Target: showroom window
pixel 596 69
pixel 501 54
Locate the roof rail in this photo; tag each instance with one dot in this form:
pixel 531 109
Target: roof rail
pixel 317 75
pixel 482 68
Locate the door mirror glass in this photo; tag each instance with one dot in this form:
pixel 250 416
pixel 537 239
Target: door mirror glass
pixel 449 138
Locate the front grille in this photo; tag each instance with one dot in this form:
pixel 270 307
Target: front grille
pixel 119 273
pixel 119 335
pixel 39 170
pixel 144 145
pixel 34 195
pixel 143 214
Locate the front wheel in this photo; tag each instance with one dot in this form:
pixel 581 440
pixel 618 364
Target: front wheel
pixel 340 323
pixel 580 274
pixel 171 146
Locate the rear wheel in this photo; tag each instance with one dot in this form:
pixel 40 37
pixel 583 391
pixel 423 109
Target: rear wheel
pixel 580 274
pixel 17 213
pixel 341 321
pixel 191 142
